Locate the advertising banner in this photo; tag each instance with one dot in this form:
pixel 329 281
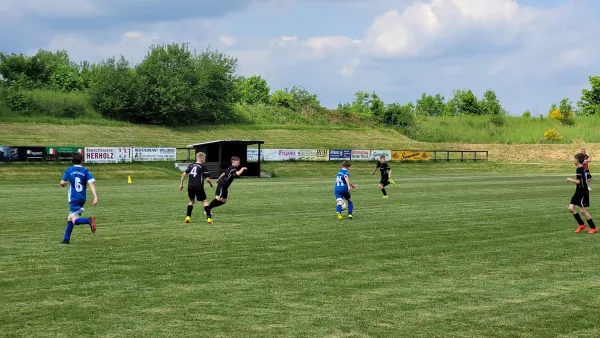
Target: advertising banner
pixel 252 155
pixel 340 155
pixel 399 155
pixel 270 155
pixel 361 155
pixel 22 154
pixel 375 154
pixel 61 153
pixel 312 155
pixel 154 154
pixel 287 154
pixel 108 155
pixel 9 154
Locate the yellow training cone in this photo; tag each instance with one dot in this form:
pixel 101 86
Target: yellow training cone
pixel 129 179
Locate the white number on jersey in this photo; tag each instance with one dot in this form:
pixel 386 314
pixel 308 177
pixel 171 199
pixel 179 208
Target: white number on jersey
pixel 193 171
pixel 339 181
pixel 78 186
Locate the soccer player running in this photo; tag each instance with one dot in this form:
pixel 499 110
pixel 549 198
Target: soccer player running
pixel 342 189
pixel 198 174
pixel 224 181
pixel 78 178
pixel 587 166
pixel 386 175
pixel 581 198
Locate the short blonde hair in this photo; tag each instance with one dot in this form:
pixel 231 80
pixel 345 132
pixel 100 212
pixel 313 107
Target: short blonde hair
pixel 200 156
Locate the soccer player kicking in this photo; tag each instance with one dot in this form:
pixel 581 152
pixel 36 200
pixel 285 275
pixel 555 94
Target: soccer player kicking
pixel 223 184
pixel 386 175
pixel 341 190
pixel 78 178
pixel 581 198
pixel 587 160
pixel 198 173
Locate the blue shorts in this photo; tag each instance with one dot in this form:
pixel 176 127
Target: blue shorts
pixel 76 208
pixel 342 195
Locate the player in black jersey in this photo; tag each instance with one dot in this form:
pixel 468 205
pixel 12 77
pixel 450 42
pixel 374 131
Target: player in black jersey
pixel 581 198
pixel 386 175
pixel 198 174
pixel 225 181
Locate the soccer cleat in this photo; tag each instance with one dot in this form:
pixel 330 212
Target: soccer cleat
pixel 188 219
pixel 339 216
pixel 580 228
pixel 65 242
pixel 209 220
pixel 590 188
pixel 392 181
pixel 593 231
pixel 350 216
pixel 386 197
pixel 93 225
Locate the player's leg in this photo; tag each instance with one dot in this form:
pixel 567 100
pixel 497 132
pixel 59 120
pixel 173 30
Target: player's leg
pixel 190 206
pixel 350 205
pixel 68 231
pixel 78 220
pixel 220 199
pixel 585 204
pixel 382 184
pixel 576 201
pixel 339 199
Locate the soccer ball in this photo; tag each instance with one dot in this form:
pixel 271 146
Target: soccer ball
pixel 344 206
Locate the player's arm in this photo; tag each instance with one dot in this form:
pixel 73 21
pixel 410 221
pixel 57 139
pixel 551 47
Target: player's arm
pixel 573 181
pixel 93 189
pixel 220 177
pixel 390 173
pixel 374 170
pixel 588 159
pixel 207 179
pixel 348 182
pixel 63 181
pixel 241 171
pixel 183 175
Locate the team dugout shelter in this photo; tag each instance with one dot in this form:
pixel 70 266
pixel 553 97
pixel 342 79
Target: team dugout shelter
pixel 219 153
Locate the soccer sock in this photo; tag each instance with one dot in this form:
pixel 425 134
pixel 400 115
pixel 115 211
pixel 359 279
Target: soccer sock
pixel 350 207
pixel 189 210
pixel 384 192
pixel 207 210
pixel 80 221
pixel 68 231
pixel 578 219
pixel 338 208
pixel 214 203
pixel 591 224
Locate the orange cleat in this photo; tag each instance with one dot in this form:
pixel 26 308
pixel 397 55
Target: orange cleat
pixel 580 228
pixel 93 225
pixel 593 231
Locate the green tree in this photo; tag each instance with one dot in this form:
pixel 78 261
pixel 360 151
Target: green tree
pixel 463 102
pixel 114 89
pixel 490 105
pixel 566 111
pixel 253 90
pixel 283 98
pixel 590 98
pixel 429 105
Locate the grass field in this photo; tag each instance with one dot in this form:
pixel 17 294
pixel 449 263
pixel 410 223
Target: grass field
pixel 459 250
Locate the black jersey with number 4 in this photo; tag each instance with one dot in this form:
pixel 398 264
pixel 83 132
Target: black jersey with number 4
pixel 582 187
pixel 197 173
pixel 230 175
pixel 383 168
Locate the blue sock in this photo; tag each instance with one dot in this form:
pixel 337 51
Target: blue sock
pixel 80 221
pixel 68 231
pixel 350 207
pixel 338 208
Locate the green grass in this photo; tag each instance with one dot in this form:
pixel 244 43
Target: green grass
pixel 457 251
pixel 515 130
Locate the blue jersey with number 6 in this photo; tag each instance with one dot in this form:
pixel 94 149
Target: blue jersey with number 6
pixel 340 181
pixel 78 178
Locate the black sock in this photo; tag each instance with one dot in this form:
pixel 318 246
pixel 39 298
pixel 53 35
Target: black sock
pixel 189 210
pixel 591 224
pixel 578 219
pixel 207 210
pixel 384 192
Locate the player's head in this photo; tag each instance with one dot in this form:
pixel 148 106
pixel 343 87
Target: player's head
pixel 200 157
pixel 579 159
pixel 582 151
pixel 346 165
pixel 235 161
pixel 382 158
pixel 77 158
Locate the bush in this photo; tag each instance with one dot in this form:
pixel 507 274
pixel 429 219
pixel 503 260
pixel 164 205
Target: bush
pixel 498 120
pixel 552 135
pixel 526 114
pixel 48 103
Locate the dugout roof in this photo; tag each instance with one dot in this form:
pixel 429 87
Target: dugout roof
pixel 241 142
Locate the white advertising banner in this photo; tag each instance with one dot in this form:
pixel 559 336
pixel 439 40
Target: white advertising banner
pixel 270 155
pixel 287 154
pixel 252 155
pixel 361 155
pixel 154 154
pixel 108 155
pixel 375 154
pixel 312 155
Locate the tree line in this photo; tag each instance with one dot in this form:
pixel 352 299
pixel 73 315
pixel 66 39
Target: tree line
pixel 175 86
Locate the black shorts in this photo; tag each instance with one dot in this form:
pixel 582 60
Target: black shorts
pixel 581 199
pixel 197 194
pixel 221 191
pixel 385 181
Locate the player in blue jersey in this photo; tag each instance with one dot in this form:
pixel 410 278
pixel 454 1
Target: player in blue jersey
pixel 342 189
pixel 78 178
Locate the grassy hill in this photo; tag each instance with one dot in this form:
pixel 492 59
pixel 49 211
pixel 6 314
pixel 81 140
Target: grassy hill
pixel 298 136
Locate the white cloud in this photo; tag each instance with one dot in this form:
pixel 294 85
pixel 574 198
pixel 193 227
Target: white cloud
pixel 226 40
pixel 50 8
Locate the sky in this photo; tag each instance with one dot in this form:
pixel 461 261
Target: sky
pixel 530 52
